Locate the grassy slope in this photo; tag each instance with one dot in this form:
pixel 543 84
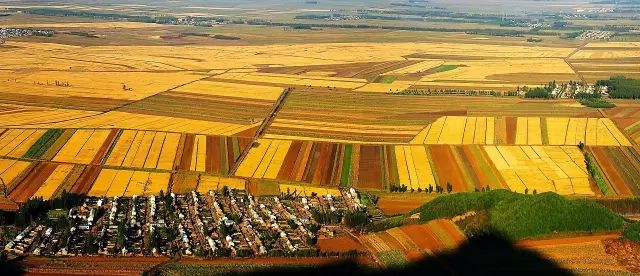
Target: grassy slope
pixel 523 216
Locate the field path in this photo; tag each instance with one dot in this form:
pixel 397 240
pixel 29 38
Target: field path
pixel 568 62
pixel 266 122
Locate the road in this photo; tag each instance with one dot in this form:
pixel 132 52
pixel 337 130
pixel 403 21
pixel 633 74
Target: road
pixel 277 106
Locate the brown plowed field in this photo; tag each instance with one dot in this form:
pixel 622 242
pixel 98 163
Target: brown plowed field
pixel 370 168
pixel 30 184
pixel 86 179
pixel 100 155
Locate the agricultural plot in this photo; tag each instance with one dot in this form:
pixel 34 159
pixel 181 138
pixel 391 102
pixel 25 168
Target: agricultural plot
pixel 499 74
pixel 412 242
pixel 559 169
pixel 601 60
pixel 10 170
pixel 590 131
pixel 621 169
pixel 322 164
pixel 16 142
pixel 203 107
pixel 83 146
pixel 458 130
pixel 112 182
pixel 582 255
pixel 344 117
pixel 171 151
pixel 208 183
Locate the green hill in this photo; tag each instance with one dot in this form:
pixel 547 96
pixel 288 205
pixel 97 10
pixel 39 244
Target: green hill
pixel 521 216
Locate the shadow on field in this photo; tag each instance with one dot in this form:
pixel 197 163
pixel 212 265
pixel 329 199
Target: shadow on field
pixel 484 255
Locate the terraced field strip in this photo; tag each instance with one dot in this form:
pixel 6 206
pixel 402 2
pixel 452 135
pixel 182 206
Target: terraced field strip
pixel 82 147
pixel 15 143
pixel 621 168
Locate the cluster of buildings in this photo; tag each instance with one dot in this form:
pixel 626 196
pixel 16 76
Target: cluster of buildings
pixel 6 33
pixel 595 35
pixel 230 223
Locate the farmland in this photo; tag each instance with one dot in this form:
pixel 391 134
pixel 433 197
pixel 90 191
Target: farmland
pixel 182 135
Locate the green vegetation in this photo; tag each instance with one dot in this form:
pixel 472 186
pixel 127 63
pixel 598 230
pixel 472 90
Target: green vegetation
pixel 42 145
pixel 445 68
pixel 597 175
pixel 346 167
pixel 597 103
pixel 534 39
pixel 623 206
pixel 393 259
pixel 519 216
pixel 621 87
pixel 632 232
pixel 386 79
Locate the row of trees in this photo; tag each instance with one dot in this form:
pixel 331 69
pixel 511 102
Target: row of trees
pixel 401 188
pixel 621 87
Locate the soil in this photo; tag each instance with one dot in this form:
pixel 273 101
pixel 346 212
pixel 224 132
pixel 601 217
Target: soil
pixel 626 253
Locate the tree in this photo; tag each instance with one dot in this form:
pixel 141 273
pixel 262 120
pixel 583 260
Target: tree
pixel 449 187
pixel 526 191
pixel 535 192
pixel 430 188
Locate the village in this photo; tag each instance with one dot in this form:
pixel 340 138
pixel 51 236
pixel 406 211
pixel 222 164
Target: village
pixel 229 223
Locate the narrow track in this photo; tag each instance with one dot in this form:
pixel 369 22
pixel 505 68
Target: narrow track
pixel 566 60
pixel 277 106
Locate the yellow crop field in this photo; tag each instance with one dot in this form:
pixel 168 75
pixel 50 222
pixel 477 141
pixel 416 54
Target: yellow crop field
pixel 103 182
pixel 254 159
pixel 281 79
pixel 128 183
pixel 453 130
pixel 403 170
pixel 590 131
pixel 106 84
pixel 277 160
pixel 143 150
pixel 235 90
pixel 91 147
pixel 54 181
pixel 423 167
pixel 199 156
pixel 265 160
pixel 10 169
pixel 507 72
pixel 136 145
pixel 137 183
pixel 121 148
pixel 559 169
pixel 120 183
pixel 158 182
pixel 457 130
pixel 70 150
pixel 154 151
pixel 419 67
pixel 414 169
pixel 215 183
pixel 117 119
pixel 521 131
pixel 16 142
pixel 20 149
pixel 169 149
pixel 470 131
